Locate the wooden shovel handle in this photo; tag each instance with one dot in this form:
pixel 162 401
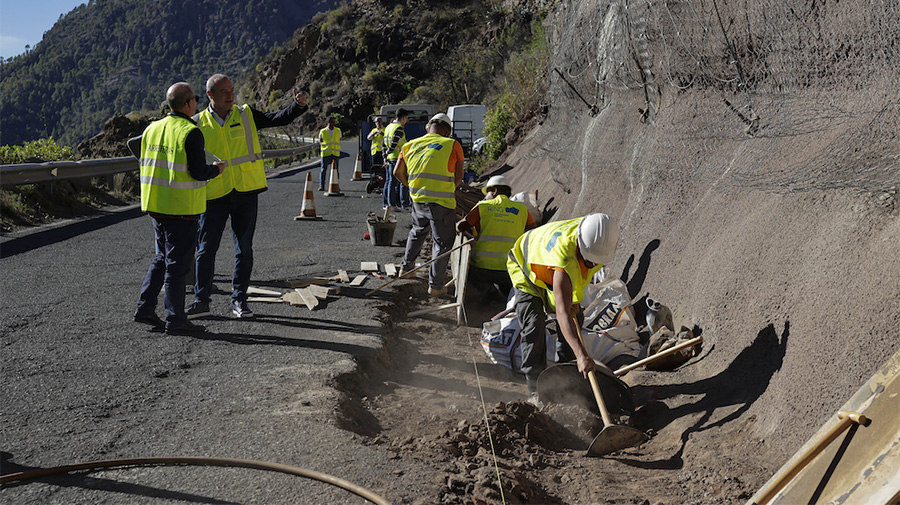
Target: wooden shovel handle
pixel 650 359
pixel 845 420
pixel 595 387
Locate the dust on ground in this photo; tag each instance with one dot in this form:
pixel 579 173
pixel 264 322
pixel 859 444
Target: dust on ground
pixel 431 394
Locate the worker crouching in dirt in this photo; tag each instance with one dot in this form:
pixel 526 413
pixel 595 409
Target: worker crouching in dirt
pixel 549 267
pixel 497 222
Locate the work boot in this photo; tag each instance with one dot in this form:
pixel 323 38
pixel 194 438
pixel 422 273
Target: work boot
pixel 436 292
pixel 184 328
pixel 197 310
pixel 151 319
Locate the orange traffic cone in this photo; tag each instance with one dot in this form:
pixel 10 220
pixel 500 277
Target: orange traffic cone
pixel 357 171
pixel 334 188
pixel 308 209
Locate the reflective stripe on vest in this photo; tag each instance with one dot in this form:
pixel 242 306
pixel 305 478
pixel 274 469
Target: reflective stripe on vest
pixel 430 180
pixel 389 137
pixel 236 143
pixel 166 185
pixel 551 245
pixel 331 142
pixel 502 221
pixel 377 139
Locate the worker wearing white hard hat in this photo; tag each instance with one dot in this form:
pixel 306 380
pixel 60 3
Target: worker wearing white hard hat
pixel 496 222
pixel 550 267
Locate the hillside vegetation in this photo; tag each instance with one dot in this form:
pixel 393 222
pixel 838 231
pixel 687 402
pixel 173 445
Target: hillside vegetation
pixel 115 56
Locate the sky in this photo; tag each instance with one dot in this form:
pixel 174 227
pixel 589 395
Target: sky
pixel 24 23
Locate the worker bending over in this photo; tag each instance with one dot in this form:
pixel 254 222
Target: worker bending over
pixel 497 222
pixel 549 267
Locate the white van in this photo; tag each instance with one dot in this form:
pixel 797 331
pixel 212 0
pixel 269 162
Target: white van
pixel 468 123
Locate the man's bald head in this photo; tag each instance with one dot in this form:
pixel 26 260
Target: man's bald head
pixel 179 97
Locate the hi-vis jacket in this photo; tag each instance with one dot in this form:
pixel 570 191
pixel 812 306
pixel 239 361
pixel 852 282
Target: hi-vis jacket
pixel 236 143
pixel 331 142
pixel 389 132
pixel 552 245
pixel 166 185
pixel 377 139
pixel 427 166
pixel 502 222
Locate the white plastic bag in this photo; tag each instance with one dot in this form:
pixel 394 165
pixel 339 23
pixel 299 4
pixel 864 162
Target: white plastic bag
pixel 501 341
pixel 609 328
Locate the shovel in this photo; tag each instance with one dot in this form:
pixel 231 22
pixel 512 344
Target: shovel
pixel 612 437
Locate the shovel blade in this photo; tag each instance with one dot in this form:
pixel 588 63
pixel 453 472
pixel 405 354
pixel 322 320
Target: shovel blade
pixel 615 438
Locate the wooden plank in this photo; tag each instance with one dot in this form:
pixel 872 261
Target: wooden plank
pixel 293 298
pixel 302 283
pixel 253 290
pixel 343 275
pixel 309 299
pixel 368 266
pixel 264 299
pixel 358 280
pixel 320 292
pixel 390 269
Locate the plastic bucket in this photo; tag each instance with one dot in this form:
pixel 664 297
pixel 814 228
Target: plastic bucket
pixel 381 232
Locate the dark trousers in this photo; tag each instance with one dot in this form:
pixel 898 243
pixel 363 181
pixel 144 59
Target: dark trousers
pixel 533 321
pixel 396 193
pixel 325 167
pixel 175 242
pixel 485 280
pixel 440 220
pixel 242 208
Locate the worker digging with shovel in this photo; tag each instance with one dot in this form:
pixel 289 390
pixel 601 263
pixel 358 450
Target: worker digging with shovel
pixel 549 267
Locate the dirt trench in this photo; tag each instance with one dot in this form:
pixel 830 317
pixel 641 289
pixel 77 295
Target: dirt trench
pixel 420 400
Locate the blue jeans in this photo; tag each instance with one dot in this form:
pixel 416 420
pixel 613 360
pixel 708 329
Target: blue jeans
pixel 242 208
pixel 397 194
pixel 175 241
pixel 325 167
pixel 441 221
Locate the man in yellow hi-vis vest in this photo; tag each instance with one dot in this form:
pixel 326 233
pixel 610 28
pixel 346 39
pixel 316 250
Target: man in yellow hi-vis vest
pixel 497 222
pixel 550 267
pixel 330 149
pixel 432 167
pixel 231 135
pixel 395 194
pixel 173 193
pixel 376 136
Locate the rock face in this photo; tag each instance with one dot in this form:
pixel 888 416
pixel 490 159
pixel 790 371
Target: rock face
pixel 110 143
pixel 747 203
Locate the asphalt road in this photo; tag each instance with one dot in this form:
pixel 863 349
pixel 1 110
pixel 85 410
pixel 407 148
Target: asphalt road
pixel 82 382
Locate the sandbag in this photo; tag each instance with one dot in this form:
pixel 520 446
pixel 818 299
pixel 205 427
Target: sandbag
pixel 609 329
pixel 665 338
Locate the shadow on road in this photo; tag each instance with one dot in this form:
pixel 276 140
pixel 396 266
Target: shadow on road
pixel 65 232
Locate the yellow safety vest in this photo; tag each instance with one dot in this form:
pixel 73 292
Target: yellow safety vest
pixel 331 142
pixel 553 245
pixel 236 143
pixel 502 222
pixel 389 136
pixel 166 185
pixel 377 139
pixel 427 160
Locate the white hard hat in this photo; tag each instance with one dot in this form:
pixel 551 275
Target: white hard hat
pixel 440 117
pixel 497 180
pixel 598 237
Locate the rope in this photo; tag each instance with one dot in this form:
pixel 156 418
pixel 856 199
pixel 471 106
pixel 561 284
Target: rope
pixel 7 479
pixel 487 423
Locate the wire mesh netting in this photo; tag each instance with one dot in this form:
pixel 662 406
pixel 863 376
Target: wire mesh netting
pixel 802 92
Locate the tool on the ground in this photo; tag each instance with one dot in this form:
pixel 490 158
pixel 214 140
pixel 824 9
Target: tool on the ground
pixel 406 275
pixel 649 359
pixel 613 437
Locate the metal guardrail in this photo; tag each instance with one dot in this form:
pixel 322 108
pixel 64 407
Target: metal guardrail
pixel 30 173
